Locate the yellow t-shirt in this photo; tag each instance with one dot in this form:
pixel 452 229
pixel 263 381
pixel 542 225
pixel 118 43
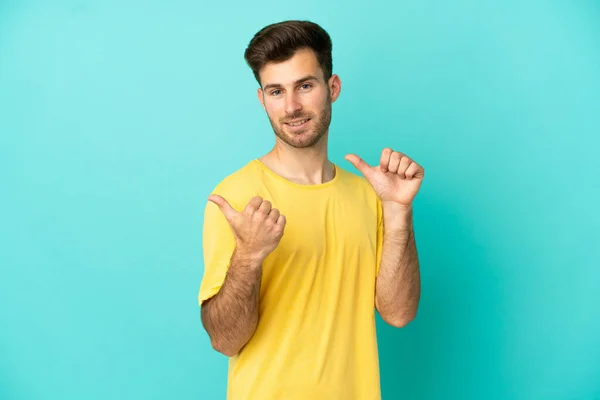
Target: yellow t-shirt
pixel 315 337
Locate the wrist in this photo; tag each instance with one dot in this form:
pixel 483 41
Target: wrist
pixel 252 258
pixel 397 217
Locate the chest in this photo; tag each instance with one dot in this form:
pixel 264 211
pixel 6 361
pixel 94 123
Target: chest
pixel 325 238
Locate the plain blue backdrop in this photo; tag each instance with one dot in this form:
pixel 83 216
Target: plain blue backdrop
pixel 117 118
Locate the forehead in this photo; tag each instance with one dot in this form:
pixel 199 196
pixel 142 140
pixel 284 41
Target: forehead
pixel 304 62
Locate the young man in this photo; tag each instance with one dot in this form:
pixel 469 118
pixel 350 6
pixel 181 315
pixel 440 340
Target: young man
pixel 299 252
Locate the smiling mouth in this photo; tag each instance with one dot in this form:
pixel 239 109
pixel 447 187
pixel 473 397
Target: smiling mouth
pixel 298 123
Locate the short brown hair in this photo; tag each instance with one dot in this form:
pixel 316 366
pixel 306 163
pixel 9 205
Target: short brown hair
pixel 278 42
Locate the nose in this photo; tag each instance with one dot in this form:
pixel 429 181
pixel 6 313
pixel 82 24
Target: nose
pixel 292 103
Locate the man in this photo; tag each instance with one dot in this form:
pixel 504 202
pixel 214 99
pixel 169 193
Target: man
pixel 298 251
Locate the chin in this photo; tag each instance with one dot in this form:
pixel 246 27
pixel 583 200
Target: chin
pixel 301 140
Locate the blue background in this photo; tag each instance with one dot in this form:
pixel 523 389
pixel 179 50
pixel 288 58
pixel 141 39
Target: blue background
pixel 117 118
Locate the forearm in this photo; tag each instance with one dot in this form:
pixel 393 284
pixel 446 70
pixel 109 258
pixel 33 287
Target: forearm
pixel 231 316
pixel 398 286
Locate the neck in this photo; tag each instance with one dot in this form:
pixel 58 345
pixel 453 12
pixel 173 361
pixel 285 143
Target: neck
pixel 306 166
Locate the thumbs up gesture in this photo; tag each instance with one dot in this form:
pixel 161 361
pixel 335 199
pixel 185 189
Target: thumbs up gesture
pixel 257 229
pixel 397 178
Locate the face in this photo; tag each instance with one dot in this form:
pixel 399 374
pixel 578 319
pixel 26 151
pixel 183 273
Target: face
pixel 297 99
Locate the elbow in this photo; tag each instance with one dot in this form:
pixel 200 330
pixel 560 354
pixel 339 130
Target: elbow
pixel 400 320
pixel 226 350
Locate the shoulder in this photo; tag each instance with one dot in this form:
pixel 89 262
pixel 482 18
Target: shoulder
pixel 239 186
pixel 358 189
pixel 354 181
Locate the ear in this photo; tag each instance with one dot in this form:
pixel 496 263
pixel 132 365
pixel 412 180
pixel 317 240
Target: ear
pixel 335 86
pixel 259 93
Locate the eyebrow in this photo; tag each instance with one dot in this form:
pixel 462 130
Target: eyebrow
pixel 304 79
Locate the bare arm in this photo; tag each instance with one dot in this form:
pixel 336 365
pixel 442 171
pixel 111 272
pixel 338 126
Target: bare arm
pixel 231 316
pixel 398 286
pixel 396 180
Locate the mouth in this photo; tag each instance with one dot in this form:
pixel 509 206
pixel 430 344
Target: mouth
pixel 298 123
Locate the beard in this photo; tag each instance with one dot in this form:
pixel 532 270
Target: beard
pixel 309 136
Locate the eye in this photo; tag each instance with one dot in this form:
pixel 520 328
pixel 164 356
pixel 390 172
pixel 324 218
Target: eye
pixel 306 86
pixel 275 92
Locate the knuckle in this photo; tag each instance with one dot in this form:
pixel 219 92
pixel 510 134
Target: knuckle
pixel 254 201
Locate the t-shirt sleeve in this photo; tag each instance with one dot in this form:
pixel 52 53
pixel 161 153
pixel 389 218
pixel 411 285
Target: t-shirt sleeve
pixel 218 243
pixel 379 235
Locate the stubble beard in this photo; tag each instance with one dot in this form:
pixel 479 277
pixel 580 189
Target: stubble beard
pixel 304 139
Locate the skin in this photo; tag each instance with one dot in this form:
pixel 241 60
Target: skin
pixel 396 180
pixel 231 316
pixel 299 156
pixel 293 90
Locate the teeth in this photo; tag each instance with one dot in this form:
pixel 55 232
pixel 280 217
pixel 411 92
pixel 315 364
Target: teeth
pixel 298 123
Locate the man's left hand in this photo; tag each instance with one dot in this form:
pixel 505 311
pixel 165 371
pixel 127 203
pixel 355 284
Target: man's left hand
pixel 397 178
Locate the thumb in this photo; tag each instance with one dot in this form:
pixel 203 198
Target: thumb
pixel 228 211
pixel 360 165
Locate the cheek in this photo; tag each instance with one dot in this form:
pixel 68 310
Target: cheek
pixel 273 109
pixel 320 102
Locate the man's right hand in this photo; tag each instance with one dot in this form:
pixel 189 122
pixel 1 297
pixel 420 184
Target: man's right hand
pixel 257 229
